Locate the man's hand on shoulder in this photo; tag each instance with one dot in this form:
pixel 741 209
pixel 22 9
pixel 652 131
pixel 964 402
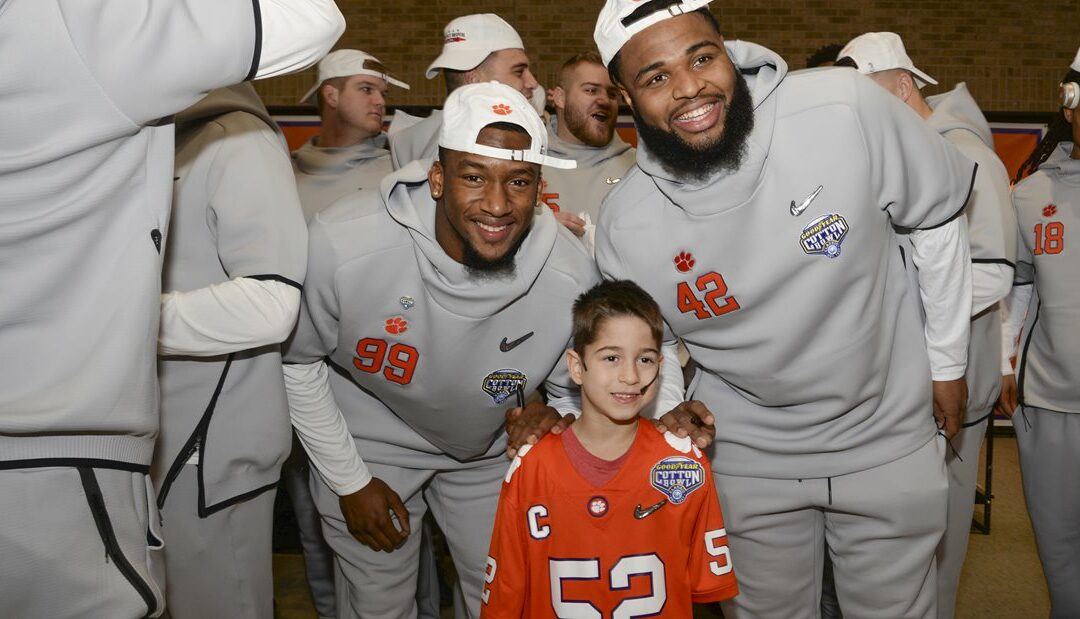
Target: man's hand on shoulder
pixel 950 403
pixel 367 514
pixel 691 418
pixel 526 426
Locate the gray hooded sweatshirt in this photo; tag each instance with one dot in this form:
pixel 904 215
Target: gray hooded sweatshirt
pixel 420 141
pixel 427 355
pixel 783 279
pixel 325 174
pixel 991 231
pixel 235 214
pixel 1048 212
pixel 582 189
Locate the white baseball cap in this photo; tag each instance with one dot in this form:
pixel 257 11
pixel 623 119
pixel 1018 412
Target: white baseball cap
pixel 469 39
pixel 881 51
pixel 612 32
pixel 472 107
pixel 347 62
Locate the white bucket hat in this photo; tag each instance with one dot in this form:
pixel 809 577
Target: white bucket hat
pixel 472 107
pixel 468 40
pixel 347 62
pixel 881 51
pixel 612 32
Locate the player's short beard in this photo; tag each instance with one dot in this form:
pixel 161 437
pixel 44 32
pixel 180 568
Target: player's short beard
pixel 686 162
pixel 500 268
pixel 579 125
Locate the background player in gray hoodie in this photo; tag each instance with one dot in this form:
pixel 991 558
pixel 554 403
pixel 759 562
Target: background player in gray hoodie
pixel 760 218
pixel 1046 386
pixel 351 152
pixel 88 199
pixel 237 239
pixel 476 48
pixel 583 129
pixel 990 225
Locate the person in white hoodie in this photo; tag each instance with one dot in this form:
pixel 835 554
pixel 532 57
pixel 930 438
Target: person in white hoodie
pixel 1044 388
pixel 224 418
pixel 583 129
pixel 991 229
pixel 351 151
pixel 760 217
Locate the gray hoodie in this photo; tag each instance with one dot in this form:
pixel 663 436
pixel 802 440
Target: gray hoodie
pixel 782 276
pixel 581 190
pixel 422 346
pixel 420 141
pixel 991 231
pixel 325 174
pixel 236 213
pixel 1048 211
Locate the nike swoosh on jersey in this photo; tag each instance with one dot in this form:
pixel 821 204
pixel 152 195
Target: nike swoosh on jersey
pixel 640 513
pixel 797 210
pixel 508 346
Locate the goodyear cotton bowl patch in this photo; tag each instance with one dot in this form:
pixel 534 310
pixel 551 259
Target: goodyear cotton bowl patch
pixel 677 477
pixel 824 235
pixel 501 384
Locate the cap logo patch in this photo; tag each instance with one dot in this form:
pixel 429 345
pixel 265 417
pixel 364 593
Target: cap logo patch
pixel 1049 210
pixel 824 235
pixel 396 325
pixel 501 109
pixel 677 477
pixel 454 36
pixel 684 261
pixel 502 384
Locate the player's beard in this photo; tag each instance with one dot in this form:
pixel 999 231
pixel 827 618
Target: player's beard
pixel 580 125
pixel 502 267
pixel 686 162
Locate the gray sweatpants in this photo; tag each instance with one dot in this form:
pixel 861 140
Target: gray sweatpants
pixel 1049 444
pixel 221 565
pixel 79 543
pixel 463 498
pixel 882 526
pixel 963 473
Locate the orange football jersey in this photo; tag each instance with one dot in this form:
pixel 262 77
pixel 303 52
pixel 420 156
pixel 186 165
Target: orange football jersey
pixel 648 543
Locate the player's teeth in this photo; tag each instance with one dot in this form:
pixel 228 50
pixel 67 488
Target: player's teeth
pixel 491 228
pixel 698 113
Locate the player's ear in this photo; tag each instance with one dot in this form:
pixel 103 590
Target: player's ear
pixel 558 97
pixel 329 95
pixel 1068 114
pixel 576 367
pixel 905 85
pixel 435 179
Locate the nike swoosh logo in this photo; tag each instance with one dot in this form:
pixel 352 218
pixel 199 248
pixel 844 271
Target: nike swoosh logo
pixel 611 180
pixel 508 346
pixel 640 513
pixel 797 210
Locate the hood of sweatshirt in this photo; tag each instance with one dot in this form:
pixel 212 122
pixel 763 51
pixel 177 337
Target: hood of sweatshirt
pixel 1061 165
pixel 316 160
pixel 455 288
pixel 957 109
pixel 586 156
pixel 238 98
pixel 763 71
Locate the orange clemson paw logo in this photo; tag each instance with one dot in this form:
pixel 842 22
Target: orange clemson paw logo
pixel 501 109
pixel 684 261
pixel 1049 210
pixel 396 325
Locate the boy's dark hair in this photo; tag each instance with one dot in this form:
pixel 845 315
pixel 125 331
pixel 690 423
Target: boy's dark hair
pixel 609 300
pixel 643 11
pixel 823 54
pixel 1059 130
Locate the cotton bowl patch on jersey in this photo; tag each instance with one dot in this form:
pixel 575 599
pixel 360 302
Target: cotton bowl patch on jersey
pixel 501 384
pixel 677 477
pixel 824 235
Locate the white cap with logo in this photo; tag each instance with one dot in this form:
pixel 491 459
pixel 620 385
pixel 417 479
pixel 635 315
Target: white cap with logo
pixel 881 51
pixel 469 39
pixel 472 107
pixel 612 30
pixel 348 62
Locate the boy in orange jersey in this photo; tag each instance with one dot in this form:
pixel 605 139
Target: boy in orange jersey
pixel 611 518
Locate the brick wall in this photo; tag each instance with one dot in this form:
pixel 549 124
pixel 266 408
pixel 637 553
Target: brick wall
pixel 1010 53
